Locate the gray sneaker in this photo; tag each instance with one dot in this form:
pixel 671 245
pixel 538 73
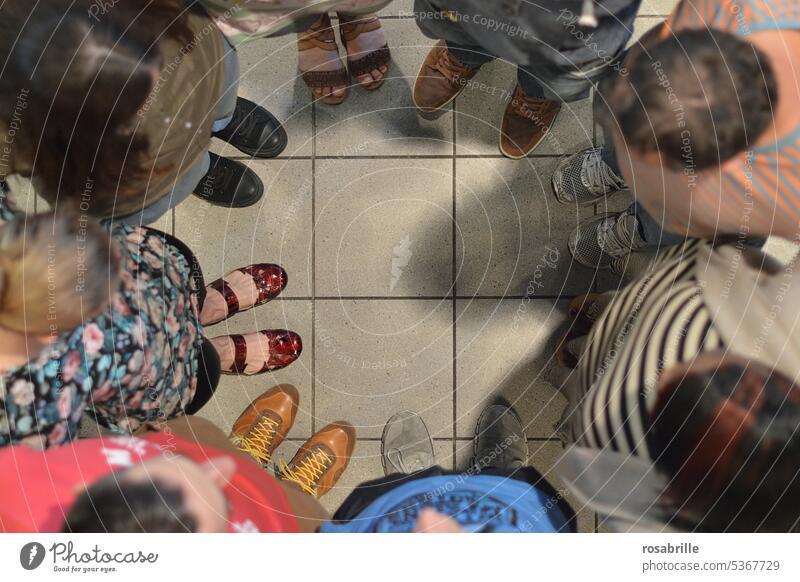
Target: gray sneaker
pixel 500 441
pixel 406 445
pixel 584 178
pixel 600 240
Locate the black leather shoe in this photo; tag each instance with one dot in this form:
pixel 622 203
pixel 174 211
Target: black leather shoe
pixel 230 184
pixel 254 131
pixel 500 441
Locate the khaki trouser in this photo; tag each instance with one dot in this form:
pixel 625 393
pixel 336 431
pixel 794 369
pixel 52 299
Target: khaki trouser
pixel 308 511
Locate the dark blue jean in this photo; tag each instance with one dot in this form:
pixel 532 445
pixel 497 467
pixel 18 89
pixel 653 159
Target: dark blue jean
pixel 474 57
pixel 565 86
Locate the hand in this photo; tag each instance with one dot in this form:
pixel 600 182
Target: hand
pixel 431 521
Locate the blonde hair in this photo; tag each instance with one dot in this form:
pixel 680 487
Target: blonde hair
pixel 56 271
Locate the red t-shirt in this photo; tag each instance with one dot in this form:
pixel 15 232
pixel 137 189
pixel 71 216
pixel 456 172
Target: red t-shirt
pixel 37 488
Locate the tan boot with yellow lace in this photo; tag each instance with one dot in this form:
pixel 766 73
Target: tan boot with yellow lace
pixel 265 423
pixel 321 460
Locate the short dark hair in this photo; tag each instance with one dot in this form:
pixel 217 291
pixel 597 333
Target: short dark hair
pixel 729 438
pixel 697 97
pixel 119 505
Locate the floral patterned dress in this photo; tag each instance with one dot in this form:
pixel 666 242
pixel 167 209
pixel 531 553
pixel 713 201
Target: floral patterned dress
pixel 135 363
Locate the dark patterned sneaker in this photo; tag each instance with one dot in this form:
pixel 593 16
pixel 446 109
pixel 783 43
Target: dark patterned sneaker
pixel 597 242
pixel 585 178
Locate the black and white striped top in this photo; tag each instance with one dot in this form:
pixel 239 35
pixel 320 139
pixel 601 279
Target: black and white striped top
pixel 654 323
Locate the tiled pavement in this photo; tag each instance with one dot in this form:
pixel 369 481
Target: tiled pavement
pixel 410 244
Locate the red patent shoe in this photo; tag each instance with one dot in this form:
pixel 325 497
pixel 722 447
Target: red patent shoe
pixel 244 289
pixel 258 352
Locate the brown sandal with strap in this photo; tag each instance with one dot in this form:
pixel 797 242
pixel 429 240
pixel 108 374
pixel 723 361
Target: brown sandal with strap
pixel 581 324
pixel 579 310
pixel 321 36
pixel 349 30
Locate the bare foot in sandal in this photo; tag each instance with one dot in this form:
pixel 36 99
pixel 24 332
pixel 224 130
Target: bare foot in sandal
pixel 319 62
pixel 367 51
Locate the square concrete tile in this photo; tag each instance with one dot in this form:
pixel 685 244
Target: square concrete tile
pixel 378 357
pixel 542 455
pixel 384 228
pixel 782 249
pixel 398 8
pixel 642 24
pixel 269 76
pixel 479 115
pixel 277 230
pixel 505 348
pixel 385 122
pixel 512 232
pixel 365 465
pixel 235 393
pixel 657 7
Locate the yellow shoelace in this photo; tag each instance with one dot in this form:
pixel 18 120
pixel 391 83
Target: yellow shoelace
pixel 308 470
pixel 258 441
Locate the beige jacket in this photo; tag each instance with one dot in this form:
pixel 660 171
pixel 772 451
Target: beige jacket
pixel 755 303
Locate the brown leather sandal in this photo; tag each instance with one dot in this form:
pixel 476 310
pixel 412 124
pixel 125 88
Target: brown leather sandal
pixel 564 357
pixel 350 28
pixel 321 36
pixel 581 325
pixel 579 307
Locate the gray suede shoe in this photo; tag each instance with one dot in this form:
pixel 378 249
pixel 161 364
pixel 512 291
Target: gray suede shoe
pixel 585 178
pixel 406 445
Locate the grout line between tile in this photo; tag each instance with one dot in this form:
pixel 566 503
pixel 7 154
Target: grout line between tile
pixel 399 157
pixel 424 297
pixel 454 273
pixel 313 267
pixel 593 96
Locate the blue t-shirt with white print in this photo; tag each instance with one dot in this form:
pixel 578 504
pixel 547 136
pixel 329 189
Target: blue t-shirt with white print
pixel 480 503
